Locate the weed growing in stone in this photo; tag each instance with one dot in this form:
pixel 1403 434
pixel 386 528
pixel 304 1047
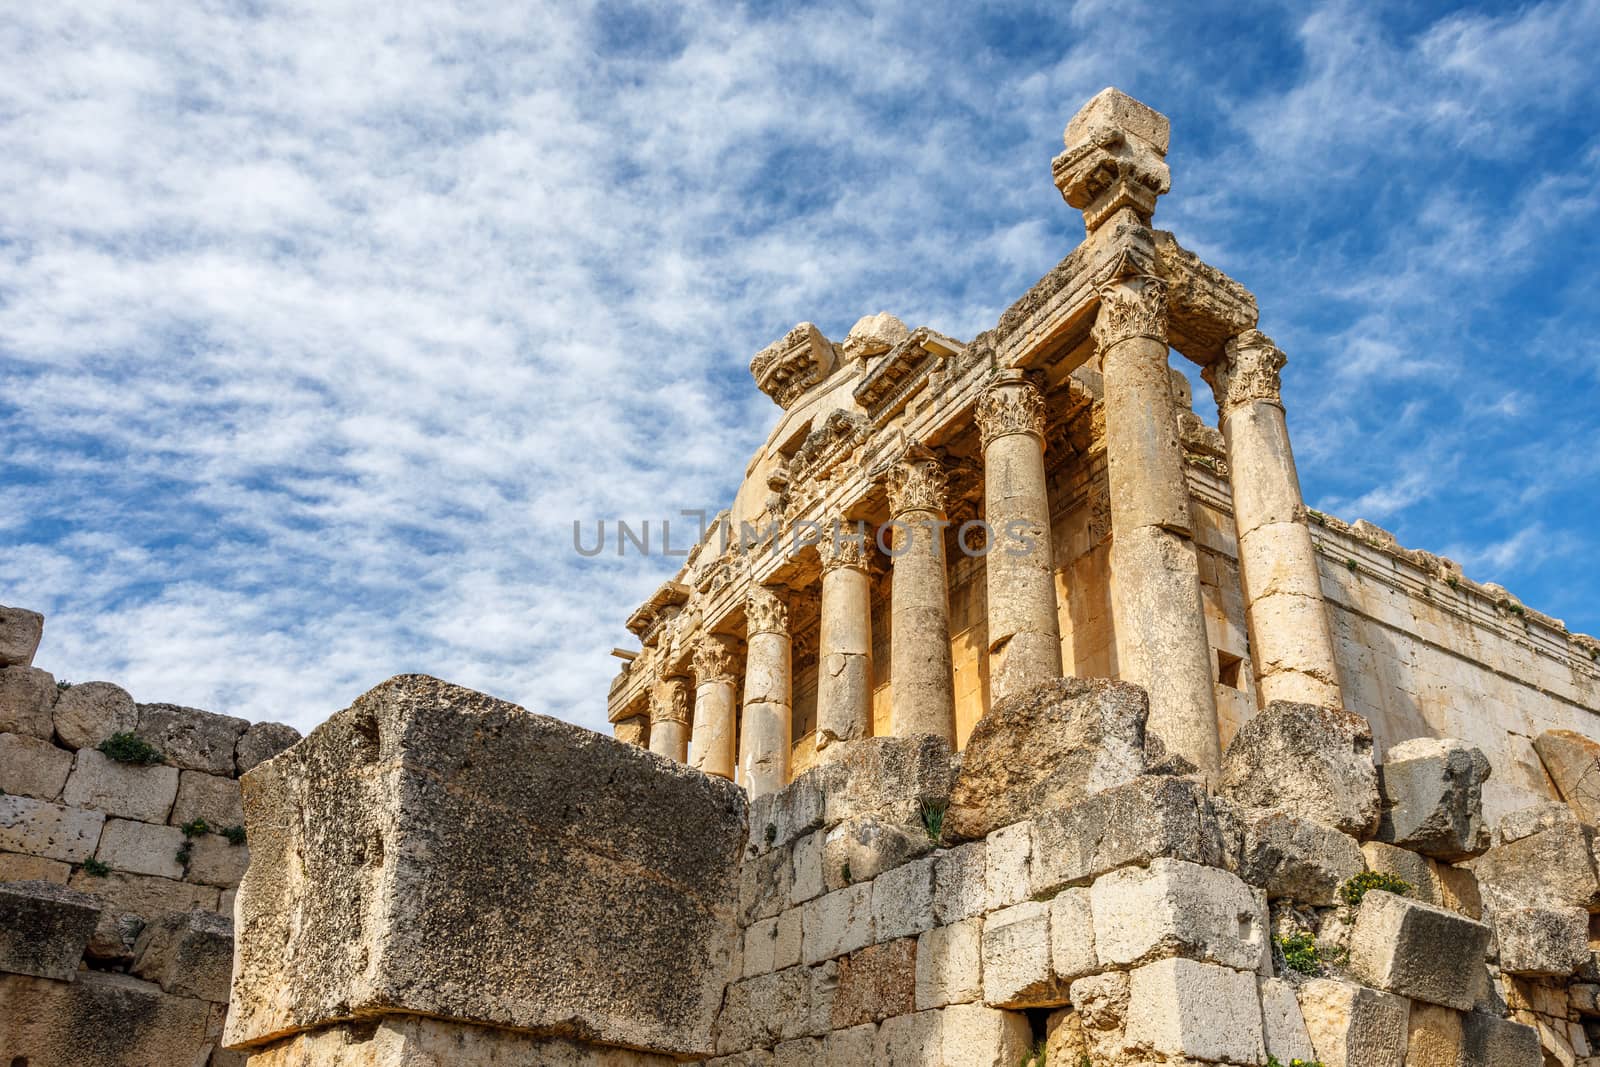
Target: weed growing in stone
pixel 95 868
pixel 1356 889
pixel 933 818
pixel 234 834
pixel 1300 953
pixel 130 748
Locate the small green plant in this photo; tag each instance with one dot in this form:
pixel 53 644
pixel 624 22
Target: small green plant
pixel 1453 582
pixel 772 832
pixel 1300 953
pixel 844 872
pixel 1316 516
pixel 234 834
pixel 195 828
pixel 95 868
pixel 1350 562
pixel 1516 609
pixel 62 685
pixel 185 853
pixel 1273 1061
pixel 1034 1057
pixel 130 748
pixel 933 818
pixel 1357 888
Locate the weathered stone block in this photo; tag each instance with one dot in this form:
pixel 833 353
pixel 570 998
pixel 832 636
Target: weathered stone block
pixel 1573 763
pixel 806 858
pixel 123 790
pixel 1298 859
pixel 1309 761
pixel 864 846
pixel 789 939
pixel 190 738
pixel 434 850
pixel 837 923
pixel 801 1052
pixel 1541 860
pixel 32 767
pixel 878 982
pixel 765 884
pixel 1435 1038
pixel 20 631
pixel 1283 1027
pixel 214 799
pixel 139 848
pixel 950 965
pixel 1353 1026
pixel 975 1036
pixel 1413 868
pixel 960 890
pixel 188 953
pixel 915 1040
pixel 40 828
pixel 1045 748
pixel 849 1048
pixel 1417 950
pixel 90 712
pixel 1184 1008
pixel 902 900
pixel 26 697
pixel 260 742
pixel 15 867
pixel 131 902
pixel 1173 908
pixel 1146 819
pixel 760 938
pixel 103 1019
pixel 44 928
pixel 1021 966
pixel 408 1041
pixel 1490 1041
pixel 1006 856
pixel 213 861
pixel 889 778
pixel 1433 798
pixel 778 819
pixel 1073 952
pixel 1542 942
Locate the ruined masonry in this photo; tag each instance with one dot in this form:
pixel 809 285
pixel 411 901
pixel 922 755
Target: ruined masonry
pixel 1011 715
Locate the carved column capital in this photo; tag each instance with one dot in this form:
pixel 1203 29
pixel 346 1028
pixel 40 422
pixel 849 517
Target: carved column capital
pixel 715 660
pixel 1010 405
pixel 917 482
pixel 845 543
pixel 766 612
pixel 670 701
pixel 1246 372
pixel 1131 306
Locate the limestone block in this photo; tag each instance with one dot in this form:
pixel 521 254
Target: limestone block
pixel 1310 761
pixel 1145 819
pixel 1458 890
pixel 1113 109
pixel 760 939
pixel 40 828
pixel 209 797
pixel 26 697
pixel 806 859
pixel 801 1052
pixel 124 790
pixel 131 901
pixel 902 900
pixel 910 1041
pixel 890 778
pixel 1283 1027
pixel 213 861
pixel 1072 941
pixel 1540 860
pixel 15 867
pixel 777 819
pixel 1180 1007
pixel 1573 763
pixel 1064 1038
pixel 1174 908
pixel 1025 964
pixel 1006 861
pixel 436 851
pixel 1490 1041
pixel 188 953
pixel 20 631
pixel 90 712
pixel 1101 1001
pixel 408 1041
pixel 864 846
pixel 1433 798
pixel 1434 1037
pixel 103 1020
pixel 44 928
pixel 975 1036
pixel 260 742
pixel 765 884
pixel 190 738
pixel 960 890
pixel 139 848
pixel 32 767
pixel 837 923
pixel 1298 859
pixel 1411 867
pixel 850 1048
pixel 788 940
pixel 1353 1026
pixel 1047 747
pixel 764 1010
pixel 1419 951
pixel 876 983
pixel 1542 942
pixel 950 965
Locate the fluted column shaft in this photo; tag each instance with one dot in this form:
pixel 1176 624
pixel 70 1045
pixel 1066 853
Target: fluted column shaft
pixel 715 710
pixel 922 695
pixel 844 656
pixel 768 682
pixel 1291 644
pixel 1160 621
pixel 1024 631
pixel 669 718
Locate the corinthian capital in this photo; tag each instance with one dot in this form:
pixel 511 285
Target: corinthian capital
pixel 714 659
pixel 1011 405
pixel 845 543
pixel 917 482
pixel 1246 372
pixel 670 701
pixel 1131 306
pixel 766 611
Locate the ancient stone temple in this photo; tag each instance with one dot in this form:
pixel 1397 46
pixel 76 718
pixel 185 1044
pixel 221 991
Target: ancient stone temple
pixel 1012 715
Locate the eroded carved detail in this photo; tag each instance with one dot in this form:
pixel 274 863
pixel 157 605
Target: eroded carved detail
pixel 1008 407
pixel 670 701
pixel 1246 373
pixel 765 611
pixel 714 660
pixel 1134 306
pixel 845 544
pixel 786 369
pixel 917 482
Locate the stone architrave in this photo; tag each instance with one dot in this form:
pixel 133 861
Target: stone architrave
pixel 1291 644
pixel 1024 632
pixel 714 744
pixel 669 718
pixel 768 694
pixel 1160 624
pixel 922 693
pixel 844 679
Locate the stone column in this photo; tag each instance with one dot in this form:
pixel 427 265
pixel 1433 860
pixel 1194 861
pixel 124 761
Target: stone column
pixel 922 696
pixel 669 718
pixel 1024 632
pixel 633 730
pixel 1160 621
pixel 1291 645
pixel 768 679
pixel 844 654
pixel 714 707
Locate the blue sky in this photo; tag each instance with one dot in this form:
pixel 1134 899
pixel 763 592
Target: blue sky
pixel 321 322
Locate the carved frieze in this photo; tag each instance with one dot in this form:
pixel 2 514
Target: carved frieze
pixel 1246 373
pixel 829 444
pixel 785 369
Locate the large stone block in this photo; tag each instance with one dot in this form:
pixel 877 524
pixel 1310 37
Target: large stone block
pixel 15 867
pixel 975 1036
pixel 1573 763
pixel 90 712
pixel 892 779
pixel 864 846
pixel 1310 761
pixel 1145 819
pixel 26 697
pixel 408 1041
pixel 1283 1027
pixel 1297 859
pixel 902 900
pixel 188 953
pixel 1541 859
pixel 1419 951
pixel 1542 942
pixel 139 848
pixel 123 790
pixel 1490 1041
pixel 40 828
pixel 1353 1026
pixel 44 928
pixel 850 1048
pixel 103 1020
pixel 1184 1008
pixel 20 631
pixel 132 901
pixel 190 738
pixel 1173 908
pixel 260 742
pixel 32 767
pixel 1045 748
pixel 960 888
pixel 1433 798
pixel 434 850
pixel 915 1040
pixel 950 965
pixel 210 798
pixel 837 923
pixel 878 982
pixel 1033 951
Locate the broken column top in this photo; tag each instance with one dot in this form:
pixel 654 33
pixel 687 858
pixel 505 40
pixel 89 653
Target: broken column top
pixel 1115 158
pixel 1111 107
